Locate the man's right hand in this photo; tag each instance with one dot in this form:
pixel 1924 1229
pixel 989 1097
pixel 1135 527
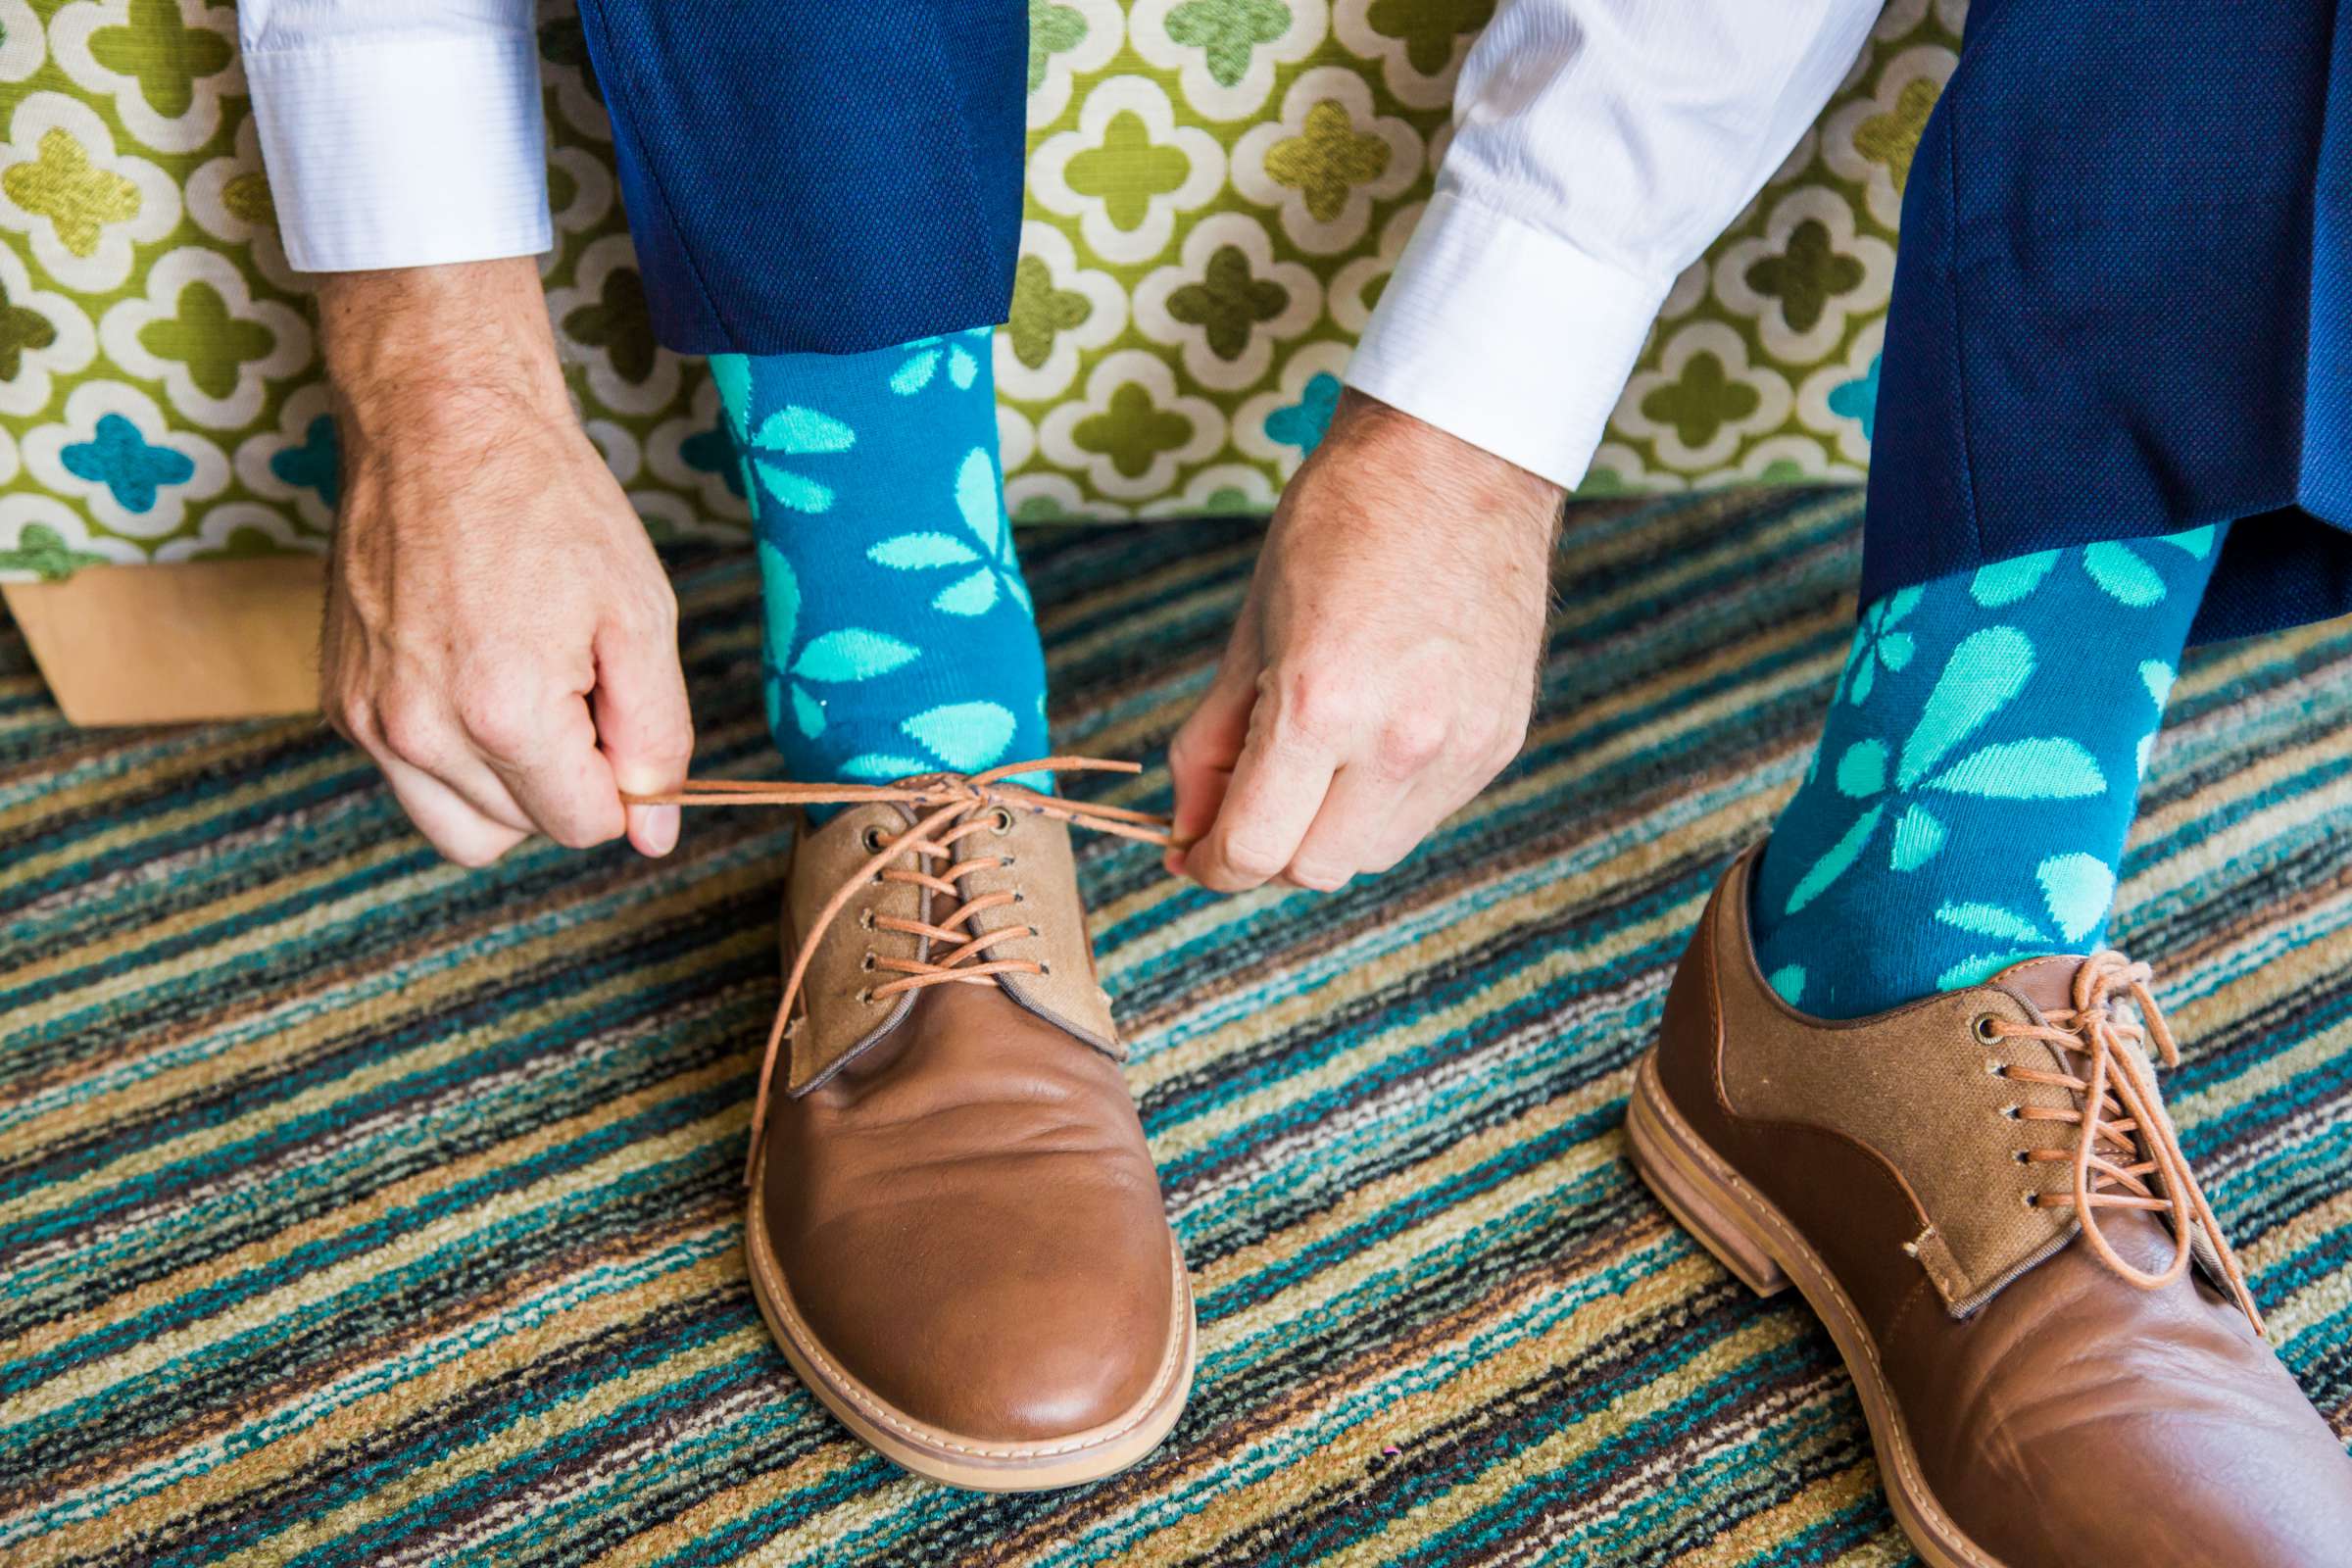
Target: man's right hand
pixel 499 637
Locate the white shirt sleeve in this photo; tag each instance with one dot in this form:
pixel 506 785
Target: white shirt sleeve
pixel 399 133
pixel 1600 147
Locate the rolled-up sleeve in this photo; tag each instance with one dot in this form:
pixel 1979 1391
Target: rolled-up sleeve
pixel 399 133
pixel 1600 147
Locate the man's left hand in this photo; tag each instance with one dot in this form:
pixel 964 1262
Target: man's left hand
pixel 1384 665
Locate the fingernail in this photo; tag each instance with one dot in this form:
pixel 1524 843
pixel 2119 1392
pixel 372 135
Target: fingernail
pixel 660 829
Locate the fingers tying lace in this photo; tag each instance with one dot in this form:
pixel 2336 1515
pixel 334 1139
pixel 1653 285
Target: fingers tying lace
pixel 2126 1153
pixel 948 808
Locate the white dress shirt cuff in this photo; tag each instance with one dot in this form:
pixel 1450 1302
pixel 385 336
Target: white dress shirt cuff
pixel 390 152
pixel 1513 339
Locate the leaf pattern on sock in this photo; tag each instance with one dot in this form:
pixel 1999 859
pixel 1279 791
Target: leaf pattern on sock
pixel 2199 542
pixel 2050 769
pixel 2005 582
pixel 967 736
pixel 1919 834
pixel 2128 577
pixel 2122 577
pixel 2078 890
pixel 963 737
pixel 731 373
pixel 1988 920
pixel 995 570
pixel 844 656
pixel 840 452
pixel 1877 644
pixel 794 431
pixel 2000 773
pixel 2157 676
pixel 1841 857
pixel 1983 675
pixel 885 768
pixel 926 357
pixel 1862 770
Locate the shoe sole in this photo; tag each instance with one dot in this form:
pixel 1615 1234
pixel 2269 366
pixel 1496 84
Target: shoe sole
pixel 1754 1240
pixel 971 1463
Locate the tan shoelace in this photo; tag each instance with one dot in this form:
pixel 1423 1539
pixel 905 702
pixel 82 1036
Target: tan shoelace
pixel 2120 1116
pixel 948 808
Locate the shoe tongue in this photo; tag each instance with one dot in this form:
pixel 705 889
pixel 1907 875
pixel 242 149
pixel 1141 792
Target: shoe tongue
pixel 2048 983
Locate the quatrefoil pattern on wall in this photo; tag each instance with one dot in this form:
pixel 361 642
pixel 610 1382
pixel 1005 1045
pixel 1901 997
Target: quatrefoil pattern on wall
pixel 1217 191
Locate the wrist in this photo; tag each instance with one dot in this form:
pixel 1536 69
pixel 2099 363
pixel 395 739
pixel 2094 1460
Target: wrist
pixel 1361 418
pixel 416 349
pixel 1391 448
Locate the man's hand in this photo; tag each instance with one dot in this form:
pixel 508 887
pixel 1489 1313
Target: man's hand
pixel 499 634
pixel 1384 663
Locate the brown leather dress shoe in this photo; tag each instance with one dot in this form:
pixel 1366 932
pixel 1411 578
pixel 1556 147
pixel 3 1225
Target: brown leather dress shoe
pixel 955 1231
pixel 1981 1195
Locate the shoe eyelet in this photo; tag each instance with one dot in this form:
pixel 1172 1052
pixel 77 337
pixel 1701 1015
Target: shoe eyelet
pixel 2010 1111
pixel 867 963
pixel 1986 1034
pixel 2021 1157
pixel 866 918
pixel 1000 822
pixel 865 994
pixel 1005 860
pixel 871 837
pixel 2033 1200
pixel 1018 897
pixel 1045 968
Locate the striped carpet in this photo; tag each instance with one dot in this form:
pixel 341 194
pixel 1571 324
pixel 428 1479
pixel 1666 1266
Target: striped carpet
pixel 358 1211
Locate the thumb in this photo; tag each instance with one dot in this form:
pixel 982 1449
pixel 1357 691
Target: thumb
pixel 1205 747
pixel 644 727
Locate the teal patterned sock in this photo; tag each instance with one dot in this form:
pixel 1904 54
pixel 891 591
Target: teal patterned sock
pixel 900 637
pixel 1976 779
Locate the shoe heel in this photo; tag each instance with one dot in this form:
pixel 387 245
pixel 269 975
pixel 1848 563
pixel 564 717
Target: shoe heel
pixel 1706 1208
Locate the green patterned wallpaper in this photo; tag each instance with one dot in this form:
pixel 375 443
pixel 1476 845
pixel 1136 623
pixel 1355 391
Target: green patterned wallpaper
pixel 1217 190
